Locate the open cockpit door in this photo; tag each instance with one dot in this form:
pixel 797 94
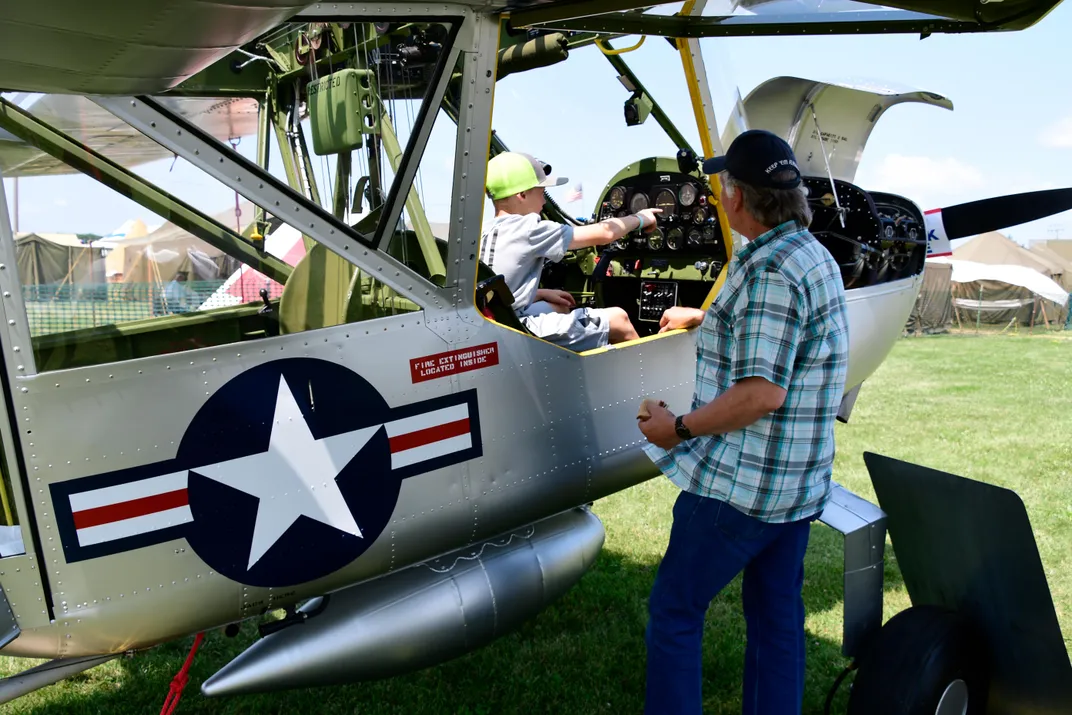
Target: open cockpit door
pixel 827 124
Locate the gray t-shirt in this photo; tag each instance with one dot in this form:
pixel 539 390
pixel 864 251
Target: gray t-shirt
pixel 517 247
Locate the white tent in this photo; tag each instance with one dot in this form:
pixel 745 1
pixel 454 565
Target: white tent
pixel 1021 276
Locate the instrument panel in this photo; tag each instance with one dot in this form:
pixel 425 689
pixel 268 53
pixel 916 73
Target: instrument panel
pixel 873 237
pixel 688 224
pixel 646 273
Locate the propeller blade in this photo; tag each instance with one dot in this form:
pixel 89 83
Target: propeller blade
pixel 977 217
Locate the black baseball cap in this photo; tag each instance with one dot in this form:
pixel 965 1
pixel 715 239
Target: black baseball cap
pixel 755 157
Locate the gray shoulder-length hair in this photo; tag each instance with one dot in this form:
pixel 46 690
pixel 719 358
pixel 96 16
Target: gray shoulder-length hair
pixel 771 207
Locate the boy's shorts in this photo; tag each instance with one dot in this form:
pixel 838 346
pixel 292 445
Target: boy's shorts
pixel 579 330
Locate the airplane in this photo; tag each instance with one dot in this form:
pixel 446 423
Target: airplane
pixel 364 434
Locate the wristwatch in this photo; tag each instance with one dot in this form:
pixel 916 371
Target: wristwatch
pixel 681 429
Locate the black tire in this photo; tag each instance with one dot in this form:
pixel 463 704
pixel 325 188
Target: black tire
pixel 915 657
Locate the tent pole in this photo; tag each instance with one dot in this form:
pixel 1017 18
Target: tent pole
pixel 1045 320
pixel 979 308
pixel 953 296
pixel 70 270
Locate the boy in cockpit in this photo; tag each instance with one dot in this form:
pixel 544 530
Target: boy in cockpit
pixel 517 243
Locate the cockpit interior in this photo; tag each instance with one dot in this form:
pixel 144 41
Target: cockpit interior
pixel 874 237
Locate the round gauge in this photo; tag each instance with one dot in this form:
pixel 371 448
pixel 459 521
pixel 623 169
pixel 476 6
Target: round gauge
pixel 619 245
pixel 888 231
pixel 655 240
pixel 687 194
pixel 674 239
pixel 699 215
pixel 616 198
pixel 913 233
pixel 665 200
pixel 694 237
pixel 639 202
pixel 709 235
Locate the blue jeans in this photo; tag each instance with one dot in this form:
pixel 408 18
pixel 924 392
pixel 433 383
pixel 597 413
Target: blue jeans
pixel 710 543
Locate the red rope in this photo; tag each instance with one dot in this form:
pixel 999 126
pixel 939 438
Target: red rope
pixel 180 679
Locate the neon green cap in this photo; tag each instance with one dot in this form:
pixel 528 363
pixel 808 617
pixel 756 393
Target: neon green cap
pixel 511 173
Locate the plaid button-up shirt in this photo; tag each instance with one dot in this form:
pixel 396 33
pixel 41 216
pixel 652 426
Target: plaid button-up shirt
pixel 780 316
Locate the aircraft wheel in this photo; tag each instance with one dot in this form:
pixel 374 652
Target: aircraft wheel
pixel 924 661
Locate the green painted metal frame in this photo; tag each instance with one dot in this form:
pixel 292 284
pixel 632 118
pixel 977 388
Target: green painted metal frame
pixel 657 112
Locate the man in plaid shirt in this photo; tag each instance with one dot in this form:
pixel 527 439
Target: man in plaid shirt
pixel 753 457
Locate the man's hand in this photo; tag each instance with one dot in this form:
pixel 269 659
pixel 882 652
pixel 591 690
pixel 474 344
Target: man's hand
pixel 659 428
pixel 680 317
pixel 649 218
pixel 560 300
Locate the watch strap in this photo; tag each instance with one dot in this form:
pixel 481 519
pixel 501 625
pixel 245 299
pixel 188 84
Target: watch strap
pixel 679 427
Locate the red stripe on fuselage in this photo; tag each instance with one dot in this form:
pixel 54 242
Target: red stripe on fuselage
pixel 130 509
pixel 429 435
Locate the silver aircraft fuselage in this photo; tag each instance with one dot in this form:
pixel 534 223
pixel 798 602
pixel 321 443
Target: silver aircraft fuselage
pixel 555 429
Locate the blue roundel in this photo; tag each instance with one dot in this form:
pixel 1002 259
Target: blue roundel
pixel 300 479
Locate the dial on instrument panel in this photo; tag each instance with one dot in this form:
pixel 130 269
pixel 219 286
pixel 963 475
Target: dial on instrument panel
pixel 674 239
pixel 665 200
pixel 655 240
pixel 687 194
pixel 639 202
pixel 694 237
pixel 616 198
pixel 699 215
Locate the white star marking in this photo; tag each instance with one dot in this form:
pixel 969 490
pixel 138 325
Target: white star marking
pixel 295 477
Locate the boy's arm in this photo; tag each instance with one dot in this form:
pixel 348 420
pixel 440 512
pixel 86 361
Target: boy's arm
pixel 611 229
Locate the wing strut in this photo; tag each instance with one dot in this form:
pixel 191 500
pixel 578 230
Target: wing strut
pixel 703 108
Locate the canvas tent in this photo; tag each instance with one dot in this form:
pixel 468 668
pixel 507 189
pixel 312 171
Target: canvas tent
pixel 933 311
pixel 160 255
pixel 114 242
pixel 1064 265
pixel 1062 247
pixel 54 259
pixel 1015 285
pixel 1004 292
pixel 995 248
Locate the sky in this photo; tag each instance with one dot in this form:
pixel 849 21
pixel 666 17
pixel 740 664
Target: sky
pixel 1010 131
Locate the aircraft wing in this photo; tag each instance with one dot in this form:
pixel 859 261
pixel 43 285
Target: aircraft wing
pixel 100 130
pixel 749 18
pixel 148 46
pixel 124 46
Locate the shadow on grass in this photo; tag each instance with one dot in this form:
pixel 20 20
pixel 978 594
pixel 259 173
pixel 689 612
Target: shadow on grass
pixel 584 654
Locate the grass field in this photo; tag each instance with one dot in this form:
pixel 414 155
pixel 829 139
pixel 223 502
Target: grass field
pixel 997 408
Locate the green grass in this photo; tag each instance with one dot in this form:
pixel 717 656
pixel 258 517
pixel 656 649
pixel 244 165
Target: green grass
pixel 996 408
